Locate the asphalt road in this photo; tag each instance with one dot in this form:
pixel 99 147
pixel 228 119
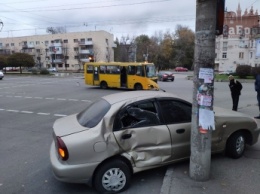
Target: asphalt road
pixel 30 105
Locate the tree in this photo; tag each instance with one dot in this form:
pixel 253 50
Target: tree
pixel 56 30
pixel 167 50
pixel 143 46
pixel 183 47
pixel 20 60
pixel 3 61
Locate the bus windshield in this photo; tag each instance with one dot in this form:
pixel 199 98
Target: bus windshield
pixel 150 71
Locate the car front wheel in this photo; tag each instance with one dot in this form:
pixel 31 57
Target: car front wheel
pixel 112 177
pixel 236 145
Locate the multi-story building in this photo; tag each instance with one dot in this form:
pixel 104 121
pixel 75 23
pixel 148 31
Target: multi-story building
pixel 64 51
pixel 238 44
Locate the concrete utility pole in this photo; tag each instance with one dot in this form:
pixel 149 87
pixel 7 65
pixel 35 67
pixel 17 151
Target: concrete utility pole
pixel 202 111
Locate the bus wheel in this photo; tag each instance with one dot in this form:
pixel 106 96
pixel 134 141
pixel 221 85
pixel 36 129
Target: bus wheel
pixel 103 85
pixel 138 87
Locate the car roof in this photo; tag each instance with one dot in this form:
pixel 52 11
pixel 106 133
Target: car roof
pixel 132 95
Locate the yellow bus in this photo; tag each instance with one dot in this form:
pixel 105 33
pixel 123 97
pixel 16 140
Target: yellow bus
pixel 138 76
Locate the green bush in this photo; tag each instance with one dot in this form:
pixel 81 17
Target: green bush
pixel 243 70
pixel 255 71
pixel 44 71
pixel 34 71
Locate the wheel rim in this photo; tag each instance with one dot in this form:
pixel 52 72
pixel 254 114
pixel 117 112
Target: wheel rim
pixel 114 179
pixel 240 144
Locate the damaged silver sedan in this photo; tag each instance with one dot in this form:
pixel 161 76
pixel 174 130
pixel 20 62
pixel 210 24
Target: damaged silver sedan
pixel 128 132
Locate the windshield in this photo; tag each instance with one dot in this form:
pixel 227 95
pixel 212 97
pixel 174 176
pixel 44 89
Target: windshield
pixel 150 71
pixel 93 114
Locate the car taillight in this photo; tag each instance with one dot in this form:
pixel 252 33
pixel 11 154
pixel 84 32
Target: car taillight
pixel 164 75
pixel 62 149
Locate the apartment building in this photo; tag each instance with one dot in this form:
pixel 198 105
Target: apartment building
pixel 68 51
pixel 239 42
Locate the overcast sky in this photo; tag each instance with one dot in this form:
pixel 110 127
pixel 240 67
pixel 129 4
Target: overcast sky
pixel 119 17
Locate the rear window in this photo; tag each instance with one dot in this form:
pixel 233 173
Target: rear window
pixel 93 114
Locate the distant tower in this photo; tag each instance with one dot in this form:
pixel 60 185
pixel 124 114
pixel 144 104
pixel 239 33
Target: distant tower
pixel 239 11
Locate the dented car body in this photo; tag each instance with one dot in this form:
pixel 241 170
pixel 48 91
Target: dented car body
pixel 128 132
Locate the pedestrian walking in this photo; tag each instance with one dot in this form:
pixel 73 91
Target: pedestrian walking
pixel 257 89
pixel 235 89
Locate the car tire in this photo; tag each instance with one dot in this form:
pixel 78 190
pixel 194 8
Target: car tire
pixel 103 85
pixel 112 177
pixel 138 86
pixel 236 145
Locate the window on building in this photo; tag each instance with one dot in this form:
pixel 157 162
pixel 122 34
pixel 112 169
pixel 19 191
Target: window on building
pixel 106 41
pixel 38 50
pixel 7 44
pixel 224 55
pixel 1 44
pixel 89 39
pixel 251 55
pixel 12 44
pixel 82 40
pixel 216 55
pixel 37 42
pixel 76 48
pixel 46 42
pixel 225 44
pixel 60 65
pixel 241 55
pixel 76 57
pixel 75 40
pixel 65 41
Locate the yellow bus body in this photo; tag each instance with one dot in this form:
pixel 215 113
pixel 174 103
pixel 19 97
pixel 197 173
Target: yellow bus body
pixel 138 76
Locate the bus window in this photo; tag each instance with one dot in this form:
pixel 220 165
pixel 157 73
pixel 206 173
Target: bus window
pixel 90 68
pixel 150 71
pixel 140 71
pixel 131 70
pixel 113 69
pixel 102 69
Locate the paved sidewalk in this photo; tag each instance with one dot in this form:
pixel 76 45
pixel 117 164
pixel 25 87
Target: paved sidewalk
pixel 227 176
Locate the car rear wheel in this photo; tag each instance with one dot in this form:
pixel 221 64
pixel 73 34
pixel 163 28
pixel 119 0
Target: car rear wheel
pixel 236 145
pixel 103 85
pixel 112 177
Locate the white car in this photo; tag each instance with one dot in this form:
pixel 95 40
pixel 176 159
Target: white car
pixel 52 69
pixel 1 75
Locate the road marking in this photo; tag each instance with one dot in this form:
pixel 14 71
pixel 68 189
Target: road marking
pixel 38 97
pixel 85 100
pixel 61 99
pixel 49 98
pixel 2 109
pixel 60 115
pixel 43 113
pixel 18 96
pixel 28 97
pixel 27 112
pixel 73 100
pixel 12 110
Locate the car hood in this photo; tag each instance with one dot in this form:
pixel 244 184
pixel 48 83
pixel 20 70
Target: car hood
pixel 67 125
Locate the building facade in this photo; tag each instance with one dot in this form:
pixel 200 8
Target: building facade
pixel 238 44
pixel 68 51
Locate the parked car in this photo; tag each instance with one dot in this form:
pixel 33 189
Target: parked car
pixel 229 72
pixel 181 69
pixel 124 133
pixel 52 69
pixel 11 68
pixel 1 75
pixel 165 76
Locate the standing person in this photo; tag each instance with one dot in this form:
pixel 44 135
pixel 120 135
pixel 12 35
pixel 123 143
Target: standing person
pixel 235 88
pixel 257 89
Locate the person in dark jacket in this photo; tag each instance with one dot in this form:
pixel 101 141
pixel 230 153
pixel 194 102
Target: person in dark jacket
pixel 257 89
pixel 235 88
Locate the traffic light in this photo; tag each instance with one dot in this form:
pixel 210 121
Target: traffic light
pixel 220 14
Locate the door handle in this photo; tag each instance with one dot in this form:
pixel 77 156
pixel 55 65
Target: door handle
pixel 126 136
pixel 179 131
